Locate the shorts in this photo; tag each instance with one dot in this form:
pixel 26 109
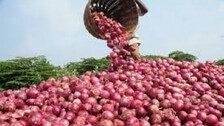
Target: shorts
pixel 133 40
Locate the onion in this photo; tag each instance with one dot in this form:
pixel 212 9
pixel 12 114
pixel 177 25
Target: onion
pixel 221 92
pixel 137 103
pixel 19 103
pixel 165 124
pixel 105 94
pixel 118 122
pixel 165 103
pixel 108 115
pixel 220 107
pixel 69 116
pixel 105 123
pixel 83 114
pixel 153 109
pixel 79 121
pixel 182 115
pixel 144 122
pixel 32 93
pixel 92 119
pixel 191 117
pixel 96 109
pixel 22 95
pixel 132 121
pixel 108 107
pixel 125 114
pixel 56 110
pixel 141 112
pixel 113 77
pixel 10 106
pixel 178 105
pixel 156 119
pixel 116 97
pixel 87 106
pixel 202 116
pixel 125 101
pixel 212 119
pixel 77 94
pixel 35 119
pixel 91 100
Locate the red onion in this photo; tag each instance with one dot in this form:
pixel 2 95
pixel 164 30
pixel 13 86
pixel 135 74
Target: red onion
pixel 165 124
pixel 156 119
pixel 108 107
pixel 105 123
pixel 108 115
pixel 182 115
pixel 77 94
pixel 69 116
pixel 35 119
pixel 105 94
pixel 118 122
pixel 221 92
pixel 144 122
pixel 132 121
pixel 153 109
pixel 96 109
pixel 32 93
pixel 202 116
pixel 141 112
pixel 212 119
pixel 125 101
pixel 91 100
pixel 87 106
pixel 178 105
pixel 113 77
pixel 191 117
pixel 126 114
pixel 92 119
pixel 166 103
pixel 116 97
pixel 56 110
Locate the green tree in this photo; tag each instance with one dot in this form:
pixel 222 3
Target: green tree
pixel 220 62
pixel 181 56
pixel 22 72
pixel 88 64
pixel 153 57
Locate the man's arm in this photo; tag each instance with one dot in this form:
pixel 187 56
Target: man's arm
pixel 142 7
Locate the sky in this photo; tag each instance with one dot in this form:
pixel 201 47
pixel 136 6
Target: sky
pixel 55 28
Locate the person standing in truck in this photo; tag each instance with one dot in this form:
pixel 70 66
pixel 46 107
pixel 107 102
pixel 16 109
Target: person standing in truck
pixel 133 39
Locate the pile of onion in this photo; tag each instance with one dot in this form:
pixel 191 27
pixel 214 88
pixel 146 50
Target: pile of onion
pixel 129 93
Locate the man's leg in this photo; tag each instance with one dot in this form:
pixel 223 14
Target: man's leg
pixel 136 54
